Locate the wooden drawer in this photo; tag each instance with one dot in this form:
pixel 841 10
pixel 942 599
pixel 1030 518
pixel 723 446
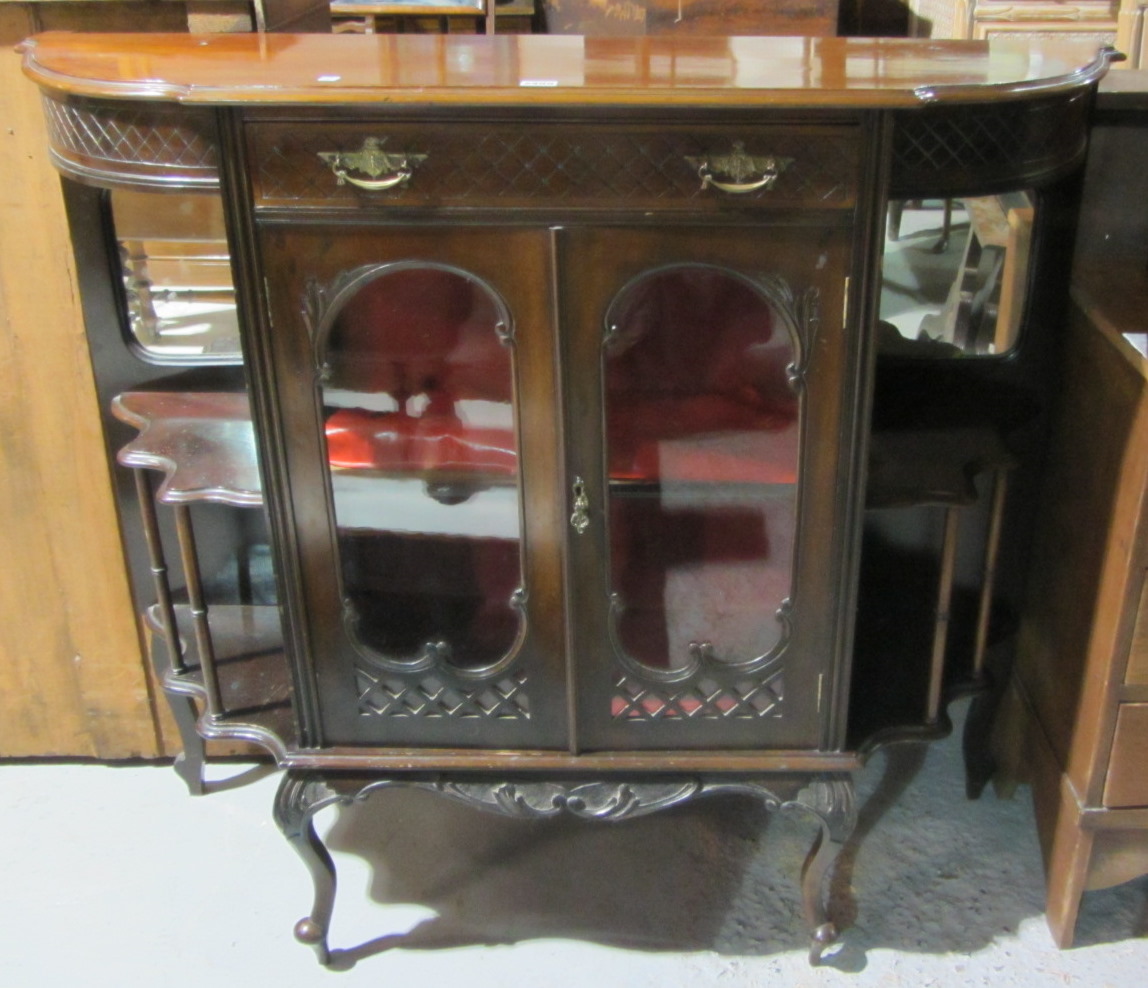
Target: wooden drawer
pixel 1137 672
pixel 1127 783
pixel 563 166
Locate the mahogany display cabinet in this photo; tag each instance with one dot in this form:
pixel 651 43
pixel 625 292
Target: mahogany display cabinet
pixel 531 395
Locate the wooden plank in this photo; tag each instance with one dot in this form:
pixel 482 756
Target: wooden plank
pixel 1086 578
pixel 1086 535
pixel 1014 277
pixel 72 681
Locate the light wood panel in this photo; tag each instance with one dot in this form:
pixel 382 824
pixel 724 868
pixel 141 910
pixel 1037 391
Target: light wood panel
pixel 1137 672
pixel 72 680
pixel 1127 783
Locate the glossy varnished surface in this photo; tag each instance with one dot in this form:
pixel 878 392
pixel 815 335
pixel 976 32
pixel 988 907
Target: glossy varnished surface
pixel 202 442
pixel 552 70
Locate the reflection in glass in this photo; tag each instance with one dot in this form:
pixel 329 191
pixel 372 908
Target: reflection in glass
pixel 176 275
pixel 955 272
pixel 702 441
pixel 417 399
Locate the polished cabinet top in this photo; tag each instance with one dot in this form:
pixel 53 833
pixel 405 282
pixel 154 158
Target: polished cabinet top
pixel 541 70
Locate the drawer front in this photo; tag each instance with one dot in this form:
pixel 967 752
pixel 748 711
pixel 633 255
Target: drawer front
pixel 1137 672
pixel 547 167
pixel 1127 783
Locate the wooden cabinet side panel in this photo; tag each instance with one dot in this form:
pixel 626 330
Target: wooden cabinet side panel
pixel 1086 536
pixel 72 681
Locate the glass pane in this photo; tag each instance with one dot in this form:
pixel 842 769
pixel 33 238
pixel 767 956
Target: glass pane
pixel 421 442
pixel 702 434
pixel 177 275
pixel 955 272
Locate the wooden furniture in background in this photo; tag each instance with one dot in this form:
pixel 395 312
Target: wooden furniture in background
pixel 1075 723
pixel 445 16
pixel 290 15
pixel 808 18
pixel 1135 29
pixel 372 16
pixel 1112 22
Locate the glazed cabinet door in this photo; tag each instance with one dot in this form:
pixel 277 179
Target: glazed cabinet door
pixel 415 390
pixel 708 387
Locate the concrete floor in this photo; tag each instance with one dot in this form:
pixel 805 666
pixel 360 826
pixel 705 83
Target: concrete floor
pixel 115 877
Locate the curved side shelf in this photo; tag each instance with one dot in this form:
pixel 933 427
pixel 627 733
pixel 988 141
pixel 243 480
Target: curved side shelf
pixel 203 443
pixel 916 467
pixel 938 730
pixel 251 669
pixel 909 467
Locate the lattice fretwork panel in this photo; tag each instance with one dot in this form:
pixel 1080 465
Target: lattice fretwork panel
pixel 970 150
pixel 704 699
pixel 384 695
pixel 170 145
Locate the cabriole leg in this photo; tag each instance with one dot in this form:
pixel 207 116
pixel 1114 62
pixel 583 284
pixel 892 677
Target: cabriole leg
pixel 833 802
pixel 299 798
pixel 829 798
pixel 813 894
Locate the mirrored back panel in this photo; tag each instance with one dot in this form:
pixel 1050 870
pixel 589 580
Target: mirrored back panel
pixel 955 275
pixel 176 275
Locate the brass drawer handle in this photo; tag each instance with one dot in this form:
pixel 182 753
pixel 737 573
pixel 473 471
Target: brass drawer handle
pixel 738 188
pixel 741 172
pixel 384 169
pixel 580 519
pixel 375 186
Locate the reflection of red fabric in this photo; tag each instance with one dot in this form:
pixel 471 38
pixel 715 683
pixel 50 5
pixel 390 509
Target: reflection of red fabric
pixel 396 442
pixel 440 441
pixel 419 332
pixel 656 704
pixel 358 438
pixel 697 382
pixel 724 441
pixel 416 330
